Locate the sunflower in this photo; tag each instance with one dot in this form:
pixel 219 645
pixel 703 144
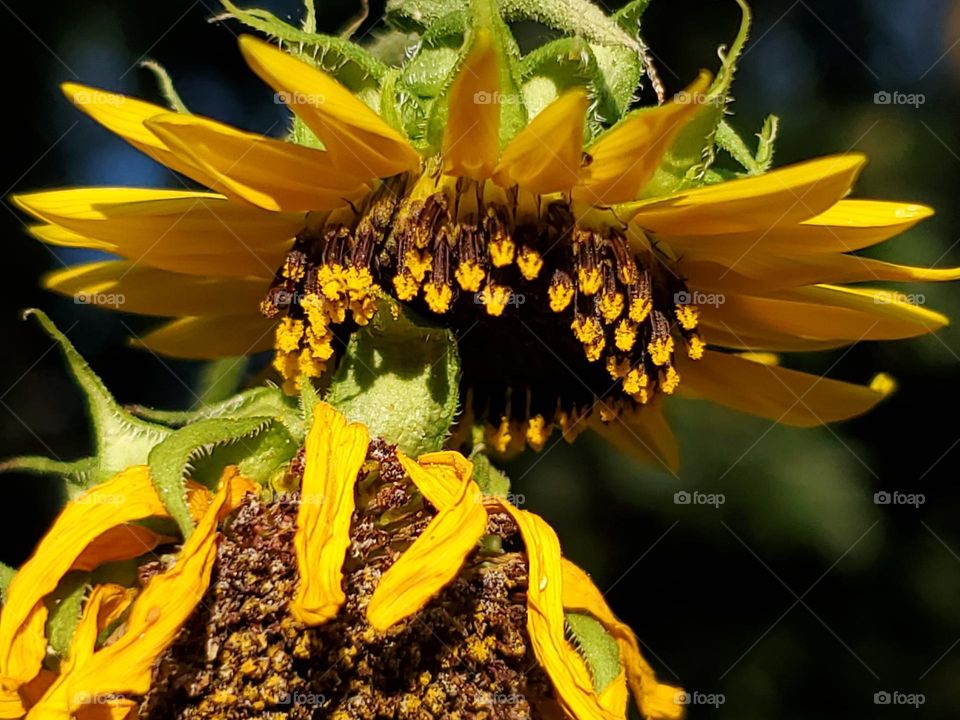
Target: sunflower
pixel 581 288
pixel 385 587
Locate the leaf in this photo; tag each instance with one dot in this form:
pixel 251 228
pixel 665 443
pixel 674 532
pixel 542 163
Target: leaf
pixel 6 577
pixel 440 50
pixel 64 607
pixel 172 460
pixel 491 479
pixel 401 380
pixel 597 647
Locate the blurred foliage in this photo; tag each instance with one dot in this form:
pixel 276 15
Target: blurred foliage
pixel 796 597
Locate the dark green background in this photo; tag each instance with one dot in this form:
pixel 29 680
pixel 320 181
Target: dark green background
pixel 799 597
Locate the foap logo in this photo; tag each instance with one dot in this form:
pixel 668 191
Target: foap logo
pixel 895 97
pixel 113 300
pixel 482 97
pixel 695 697
pixel 895 497
pixel 895 697
pixel 303 699
pixel 515 499
pixel 516 299
pixel 899 298
pixel 95 97
pixel 299 98
pixel 694 297
pixel 684 497
pixel 696 98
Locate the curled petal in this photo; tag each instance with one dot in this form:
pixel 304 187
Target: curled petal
pixel 334 455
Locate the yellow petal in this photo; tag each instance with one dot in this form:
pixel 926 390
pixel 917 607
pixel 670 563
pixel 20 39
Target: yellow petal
pixel 823 313
pixel 471 138
pixel 432 561
pixel 334 455
pixel 439 476
pixel 125 667
pixel 361 144
pixel 779 199
pixel 125 116
pixel 784 396
pixel 134 288
pixel 656 700
pixel 644 435
pixel 123 542
pixel 545 156
pixel 182 231
pixel 625 157
pixel 127 497
pixel 61 237
pixel 207 337
pixel 845 227
pixel 615 695
pixel 271 174
pixel 545 619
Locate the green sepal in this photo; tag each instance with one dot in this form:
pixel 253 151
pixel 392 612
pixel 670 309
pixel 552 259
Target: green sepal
pixel 165 84
pixel 178 456
pixel 6 577
pixel 440 51
pixel 64 606
pixel 400 107
pixel 420 15
pixel 754 163
pixel 220 379
pixel 400 379
pixel 120 439
pixel 491 479
pixel 598 648
pixel 693 152
pixel 557 66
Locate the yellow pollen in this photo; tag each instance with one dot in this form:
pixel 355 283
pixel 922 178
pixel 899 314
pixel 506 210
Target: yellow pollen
pixel 405 286
pixel 560 294
pixel 315 308
pixel 628 273
pixel 499 437
pixel 293 268
pixel 688 316
pixel 571 424
pixel 332 279
pixel 587 329
pixel 321 345
pixel 438 296
pixel 589 280
pixel 417 264
pixel 608 413
pixel 537 431
pixel 670 381
pixel 289 332
pixel 660 349
pixel 287 364
pixel 530 263
pixel 336 310
pixel 640 307
pixel 643 396
pixel 695 348
pixel 617 367
pixel 611 306
pixel 470 275
pixel 502 250
pixel 594 350
pixel 625 335
pixel 495 298
pixel 635 381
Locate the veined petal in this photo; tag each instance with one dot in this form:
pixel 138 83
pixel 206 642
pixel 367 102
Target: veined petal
pixel 823 313
pixel 170 229
pixel 845 227
pixel 545 156
pixel 644 434
pixel 656 700
pixel 125 116
pixel 125 666
pixel 779 199
pixel 624 158
pixel 271 174
pixel 334 455
pixel 361 143
pixel 471 138
pixel 134 288
pixel 775 393
pixel 545 619
pixel 129 496
pixel 432 561
pixel 206 337
pixel 440 476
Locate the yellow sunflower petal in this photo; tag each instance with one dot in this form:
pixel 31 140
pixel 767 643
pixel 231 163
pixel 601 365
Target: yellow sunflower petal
pixel 271 174
pixel 644 434
pixel 123 542
pixel 439 476
pixel 127 497
pixel 134 288
pixel 175 230
pixel 334 455
pixel 545 156
pixel 781 198
pixel 61 237
pixel 361 143
pixel 784 396
pixel 125 116
pixel 822 314
pixel 432 561
pixel 207 337
pixel 615 696
pixel 845 227
pixel 656 700
pixel 545 619
pixel 125 667
pixel 625 157
pixel 471 138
